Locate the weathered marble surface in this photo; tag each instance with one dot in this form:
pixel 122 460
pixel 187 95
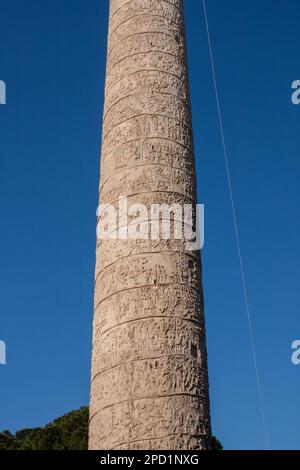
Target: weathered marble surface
pixel 149 386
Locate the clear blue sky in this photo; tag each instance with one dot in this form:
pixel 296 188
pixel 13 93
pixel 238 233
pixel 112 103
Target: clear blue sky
pixel 52 57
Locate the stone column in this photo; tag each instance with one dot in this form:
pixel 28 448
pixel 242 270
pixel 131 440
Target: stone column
pixel 149 386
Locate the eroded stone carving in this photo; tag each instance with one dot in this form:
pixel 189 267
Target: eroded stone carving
pixel 149 386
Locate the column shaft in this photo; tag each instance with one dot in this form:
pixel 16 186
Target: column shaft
pixel 149 375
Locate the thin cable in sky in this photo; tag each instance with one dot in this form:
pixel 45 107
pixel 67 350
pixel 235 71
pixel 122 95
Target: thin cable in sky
pixel 237 236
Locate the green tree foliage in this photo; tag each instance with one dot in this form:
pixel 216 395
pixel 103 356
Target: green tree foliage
pixel 69 432
pixel 216 444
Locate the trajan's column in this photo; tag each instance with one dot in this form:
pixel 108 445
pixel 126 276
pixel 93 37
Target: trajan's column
pixel 149 386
